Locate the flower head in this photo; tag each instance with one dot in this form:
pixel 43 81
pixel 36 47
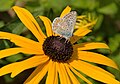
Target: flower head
pixel 57 48
pixel 53 56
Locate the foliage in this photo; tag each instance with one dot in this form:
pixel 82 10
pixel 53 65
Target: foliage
pixel 106 30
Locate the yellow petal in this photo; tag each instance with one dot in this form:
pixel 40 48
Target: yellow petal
pixel 81 76
pixel 85 24
pixel 29 21
pixel 81 32
pixel 8 52
pixel 48 25
pixel 29 63
pixel 81 16
pixel 18 67
pixel 64 79
pixel 12 51
pixel 21 41
pixel 90 45
pixel 29 51
pixel 34 73
pixel 96 58
pixel 65 11
pixel 94 72
pixel 51 73
pixel 38 74
pixel 102 70
pixel 56 75
pixel 7 69
pixel 71 75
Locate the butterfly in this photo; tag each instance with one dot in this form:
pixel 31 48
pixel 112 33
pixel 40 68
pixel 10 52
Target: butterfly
pixel 64 26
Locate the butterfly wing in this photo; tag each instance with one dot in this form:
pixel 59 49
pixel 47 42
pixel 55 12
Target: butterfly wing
pixel 70 19
pixel 65 26
pixel 59 26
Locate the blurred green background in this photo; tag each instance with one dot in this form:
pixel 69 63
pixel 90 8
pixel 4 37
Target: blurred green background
pixel 106 30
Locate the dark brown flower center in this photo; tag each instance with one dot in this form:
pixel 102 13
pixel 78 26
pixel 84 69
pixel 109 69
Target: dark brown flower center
pixel 58 48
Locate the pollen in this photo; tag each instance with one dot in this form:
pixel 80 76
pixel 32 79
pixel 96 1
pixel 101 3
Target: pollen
pixel 58 48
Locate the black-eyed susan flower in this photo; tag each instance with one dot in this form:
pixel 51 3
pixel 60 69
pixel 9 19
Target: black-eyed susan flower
pixel 55 57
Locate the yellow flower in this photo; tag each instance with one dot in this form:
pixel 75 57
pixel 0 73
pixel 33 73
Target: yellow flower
pixel 54 64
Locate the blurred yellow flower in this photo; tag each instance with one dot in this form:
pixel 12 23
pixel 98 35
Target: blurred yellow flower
pixel 47 54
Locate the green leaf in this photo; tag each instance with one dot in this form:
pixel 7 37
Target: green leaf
pixel 8 79
pixel 18 29
pixel 15 27
pixel 2 45
pixel 3 62
pixel 99 22
pixel 117 37
pixel 6 4
pixel 7 45
pixel 110 9
pixel 116 59
pixel 114 42
pixel 85 4
pixel 14 58
pixel 56 5
pixel 1 24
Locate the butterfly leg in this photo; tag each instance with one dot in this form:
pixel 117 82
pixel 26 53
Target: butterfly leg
pixel 66 41
pixel 61 37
